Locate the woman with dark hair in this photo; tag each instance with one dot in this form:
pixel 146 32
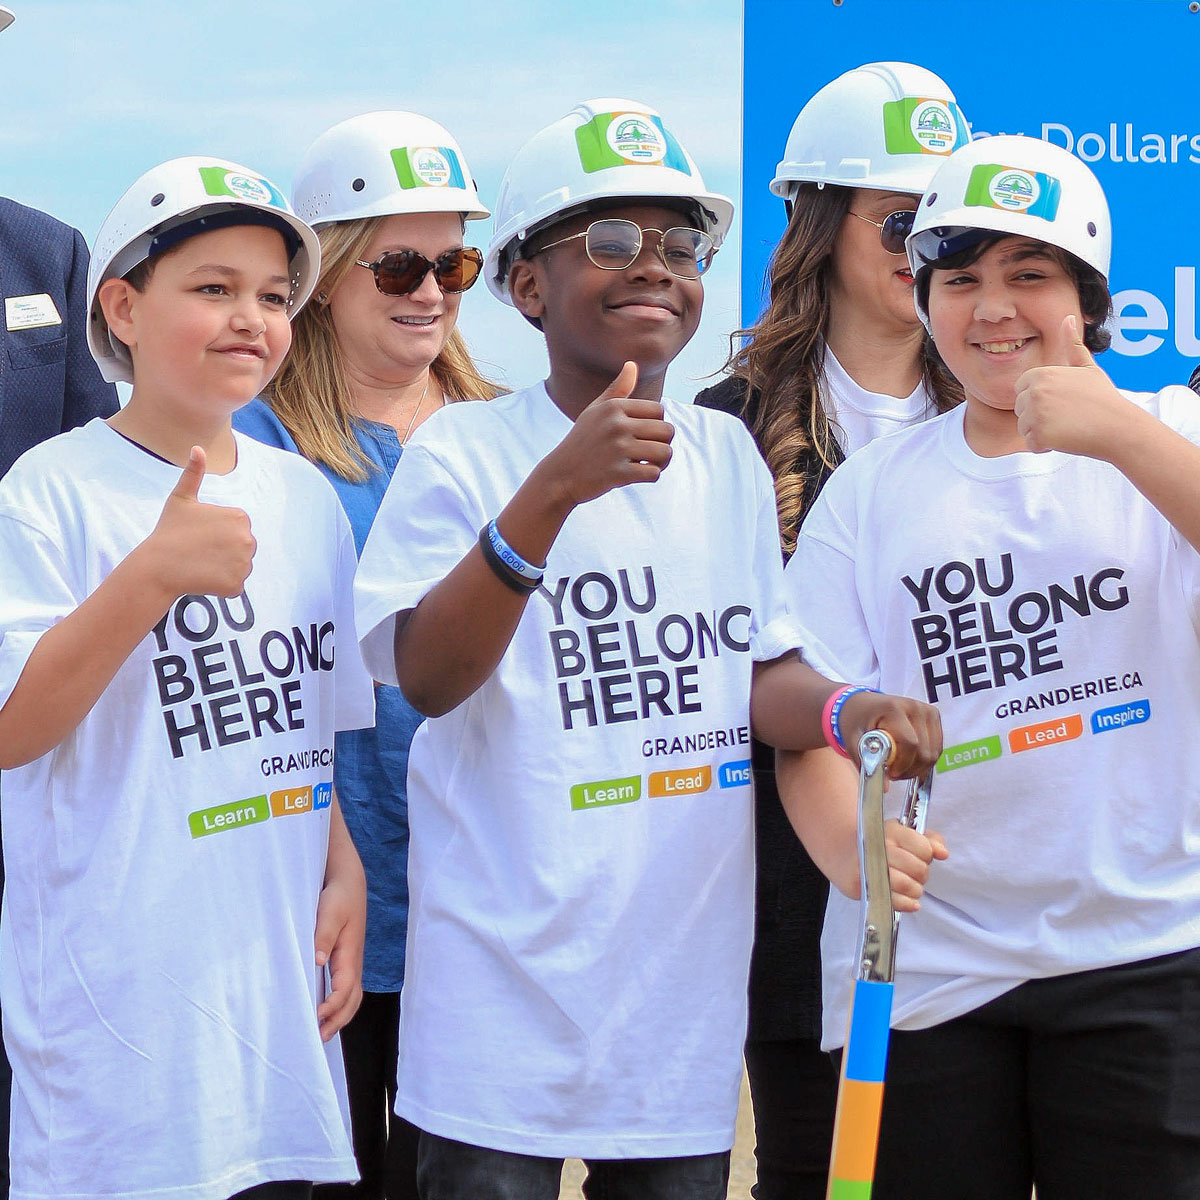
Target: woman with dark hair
pixel 837 359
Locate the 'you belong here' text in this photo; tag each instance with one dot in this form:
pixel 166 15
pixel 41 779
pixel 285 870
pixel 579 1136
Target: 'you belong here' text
pixel 217 688
pixel 986 639
pixel 620 668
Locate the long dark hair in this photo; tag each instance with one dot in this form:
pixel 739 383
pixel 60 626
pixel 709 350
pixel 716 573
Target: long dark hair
pixel 781 357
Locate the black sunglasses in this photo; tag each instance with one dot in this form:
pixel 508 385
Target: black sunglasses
pixel 401 272
pixel 893 229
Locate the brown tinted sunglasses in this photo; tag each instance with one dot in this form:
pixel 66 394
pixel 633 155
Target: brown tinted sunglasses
pixel 401 272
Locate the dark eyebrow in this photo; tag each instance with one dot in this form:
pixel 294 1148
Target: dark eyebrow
pixel 1021 253
pixel 227 272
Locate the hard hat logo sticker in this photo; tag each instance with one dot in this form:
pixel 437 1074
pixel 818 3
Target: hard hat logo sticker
pixel 248 187
pixel 933 126
pixel 628 139
pixel 430 166
pixel 220 181
pixel 922 126
pixel 1012 189
pixel 635 139
pixel 427 166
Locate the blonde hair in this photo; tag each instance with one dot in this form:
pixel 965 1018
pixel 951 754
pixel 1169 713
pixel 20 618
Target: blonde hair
pixel 311 393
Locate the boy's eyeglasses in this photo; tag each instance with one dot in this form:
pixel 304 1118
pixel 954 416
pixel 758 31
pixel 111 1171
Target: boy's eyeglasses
pixel 613 244
pixel 893 229
pixel 401 272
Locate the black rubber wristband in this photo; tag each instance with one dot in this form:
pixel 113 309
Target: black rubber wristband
pixel 510 579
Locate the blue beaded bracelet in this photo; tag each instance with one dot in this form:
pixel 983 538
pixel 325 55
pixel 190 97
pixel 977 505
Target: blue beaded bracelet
pixel 836 711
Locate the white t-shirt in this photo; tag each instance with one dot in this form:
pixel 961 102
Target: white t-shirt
pixel 581 857
pixel 164 861
pixel 1051 613
pixel 861 416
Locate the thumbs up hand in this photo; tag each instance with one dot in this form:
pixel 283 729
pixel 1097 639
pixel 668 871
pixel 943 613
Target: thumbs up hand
pixel 617 439
pixel 1070 405
pixel 200 549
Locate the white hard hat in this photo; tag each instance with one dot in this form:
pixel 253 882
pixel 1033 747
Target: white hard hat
pixel 883 126
pixel 601 150
pixel 6 17
pixel 175 194
pixel 382 163
pixel 1015 185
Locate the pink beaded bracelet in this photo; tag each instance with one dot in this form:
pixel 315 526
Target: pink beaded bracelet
pixel 830 725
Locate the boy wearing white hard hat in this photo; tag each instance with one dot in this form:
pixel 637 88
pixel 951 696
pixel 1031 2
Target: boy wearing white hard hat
pixel 554 580
pixel 182 932
pixel 1029 563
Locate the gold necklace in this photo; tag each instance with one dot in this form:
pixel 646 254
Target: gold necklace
pixel 412 420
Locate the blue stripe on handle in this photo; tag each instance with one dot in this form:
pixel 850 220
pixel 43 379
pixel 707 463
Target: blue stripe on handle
pixel 866 1048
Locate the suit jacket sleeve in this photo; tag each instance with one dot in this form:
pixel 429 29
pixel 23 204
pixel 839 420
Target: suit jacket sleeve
pixel 87 395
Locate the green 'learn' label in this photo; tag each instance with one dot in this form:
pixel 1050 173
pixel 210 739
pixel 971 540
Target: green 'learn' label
pixel 229 816
pixel 967 754
pixel 606 791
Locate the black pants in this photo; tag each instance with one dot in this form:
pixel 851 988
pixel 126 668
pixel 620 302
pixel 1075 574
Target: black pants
pixel 793 1085
pixel 385 1145
pixel 1087 1085
pixel 290 1189
pixel 451 1170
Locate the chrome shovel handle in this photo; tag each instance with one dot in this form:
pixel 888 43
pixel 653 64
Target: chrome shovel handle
pixel 877 937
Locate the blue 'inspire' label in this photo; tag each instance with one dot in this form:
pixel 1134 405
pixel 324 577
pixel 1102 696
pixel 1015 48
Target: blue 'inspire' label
pixel 734 774
pixel 1105 720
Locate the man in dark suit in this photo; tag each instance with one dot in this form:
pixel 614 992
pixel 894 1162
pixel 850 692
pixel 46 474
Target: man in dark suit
pixel 48 380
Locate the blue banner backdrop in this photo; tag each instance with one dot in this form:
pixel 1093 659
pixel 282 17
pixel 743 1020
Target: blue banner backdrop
pixel 1107 79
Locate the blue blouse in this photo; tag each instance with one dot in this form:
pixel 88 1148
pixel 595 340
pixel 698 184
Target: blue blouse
pixel 370 765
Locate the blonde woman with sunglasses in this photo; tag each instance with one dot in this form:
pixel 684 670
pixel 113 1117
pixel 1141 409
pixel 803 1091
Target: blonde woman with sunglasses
pixel 373 356
pixel 837 359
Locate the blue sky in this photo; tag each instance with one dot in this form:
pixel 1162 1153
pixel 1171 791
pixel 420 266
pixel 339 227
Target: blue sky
pixel 98 91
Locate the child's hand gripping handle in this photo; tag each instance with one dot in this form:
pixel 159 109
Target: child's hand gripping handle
pixel 913 730
pixel 893 856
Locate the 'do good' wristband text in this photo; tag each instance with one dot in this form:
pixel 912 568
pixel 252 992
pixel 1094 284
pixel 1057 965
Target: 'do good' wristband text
pixel 509 576
pixel 511 559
